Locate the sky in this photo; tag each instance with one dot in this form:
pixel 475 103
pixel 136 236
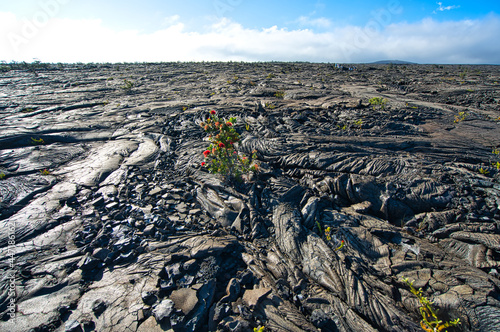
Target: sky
pixel 355 31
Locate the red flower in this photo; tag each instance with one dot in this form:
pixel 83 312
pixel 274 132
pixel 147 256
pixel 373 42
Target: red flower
pixel 213 112
pixel 206 153
pixel 221 145
pixel 217 124
pixel 203 164
pixel 229 124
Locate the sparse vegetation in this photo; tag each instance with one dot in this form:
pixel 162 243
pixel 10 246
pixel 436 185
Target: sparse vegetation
pixel 280 94
pixel 378 101
pixel 127 86
pixel 430 321
pixel 460 117
pixel 319 227
pixel 37 141
pixel 328 237
pixel 484 171
pixel 2 175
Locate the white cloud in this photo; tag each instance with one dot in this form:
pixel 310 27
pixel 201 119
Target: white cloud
pixel 171 20
pixel 442 9
pixel 320 22
pixel 427 41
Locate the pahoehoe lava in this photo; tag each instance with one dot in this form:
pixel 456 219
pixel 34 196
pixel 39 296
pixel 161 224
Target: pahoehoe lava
pixel 108 222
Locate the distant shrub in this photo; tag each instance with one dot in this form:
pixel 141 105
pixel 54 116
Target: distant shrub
pixel 378 101
pixel 127 86
pixel 280 94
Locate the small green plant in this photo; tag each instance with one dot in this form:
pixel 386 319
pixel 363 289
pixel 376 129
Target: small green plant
pixel 280 94
pixel 341 245
pixel 258 329
pixel 270 76
pixel 128 85
pixel 328 236
pixel 497 165
pixel 2 175
pixel 358 123
pixel 45 172
pixel 430 321
pixel 37 141
pixel 484 171
pixel 328 233
pixel 495 151
pixel 270 106
pixel 247 126
pixel 378 101
pixel 460 117
pixel 319 227
pixel 221 157
pixel 343 127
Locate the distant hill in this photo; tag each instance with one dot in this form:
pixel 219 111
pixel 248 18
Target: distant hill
pixel 394 62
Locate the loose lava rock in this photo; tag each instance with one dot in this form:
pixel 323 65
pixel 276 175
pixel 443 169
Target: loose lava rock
pixel 125 231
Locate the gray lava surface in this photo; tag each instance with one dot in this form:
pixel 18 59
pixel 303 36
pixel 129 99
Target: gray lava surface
pixel 108 221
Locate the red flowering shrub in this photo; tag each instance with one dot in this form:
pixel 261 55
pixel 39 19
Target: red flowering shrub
pixel 221 156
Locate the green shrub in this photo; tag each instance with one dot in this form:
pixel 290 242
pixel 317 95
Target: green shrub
pixel 430 321
pixel 222 157
pixel 378 101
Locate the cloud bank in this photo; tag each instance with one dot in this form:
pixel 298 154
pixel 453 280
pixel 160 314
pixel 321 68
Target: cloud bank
pixel 426 41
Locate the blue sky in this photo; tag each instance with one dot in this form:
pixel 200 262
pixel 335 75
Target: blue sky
pixel 250 30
